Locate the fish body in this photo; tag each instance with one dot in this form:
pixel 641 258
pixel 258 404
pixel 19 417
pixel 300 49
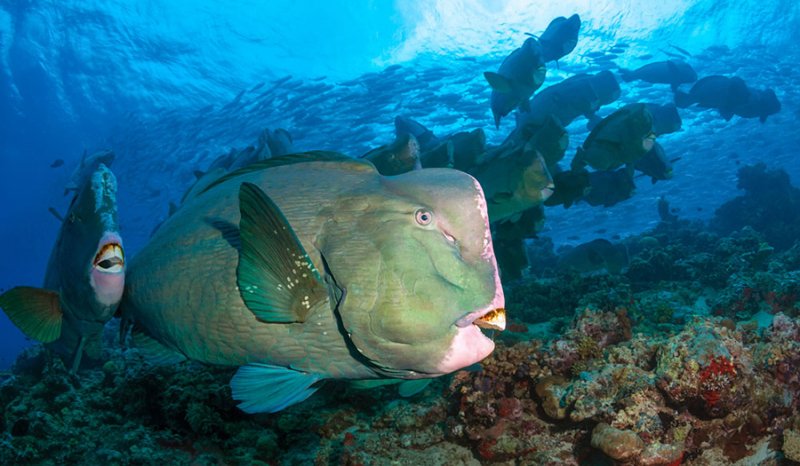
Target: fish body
pixel 279 142
pixel 560 37
pixel 672 72
pixel 665 118
pixel 399 157
pixel 468 148
pixel 87 166
pixel 404 125
pixel 609 187
pixel 569 187
pixel 509 242
pixel 84 280
pixel 760 104
pixel 514 182
pixel 655 164
pixel 724 93
pixel 619 139
pixel 582 94
pixel 313 267
pixel 595 256
pixel 519 76
pixel 549 138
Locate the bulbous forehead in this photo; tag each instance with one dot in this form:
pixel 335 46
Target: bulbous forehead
pixel 451 192
pixel 456 198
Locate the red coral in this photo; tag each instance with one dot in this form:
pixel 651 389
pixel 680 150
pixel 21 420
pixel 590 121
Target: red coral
pixel 678 461
pixel 715 377
pixel 485 449
pixel 509 407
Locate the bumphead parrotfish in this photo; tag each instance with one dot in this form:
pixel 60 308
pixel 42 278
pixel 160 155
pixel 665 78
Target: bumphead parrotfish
pixel 314 266
pixel 398 157
pixel 520 74
pixel 560 37
pixel 760 103
pixel 672 72
pixel 582 94
pixel 514 181
pixel 721 92
pixel 84 279
pixel 619 139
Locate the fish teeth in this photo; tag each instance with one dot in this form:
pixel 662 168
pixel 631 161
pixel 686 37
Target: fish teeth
pixel 111 258
pixel 494 319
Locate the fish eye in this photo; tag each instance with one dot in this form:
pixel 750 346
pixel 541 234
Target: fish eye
pixel 423 216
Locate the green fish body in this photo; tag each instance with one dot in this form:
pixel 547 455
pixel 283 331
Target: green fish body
pixel 621 138
pixel 85 276
pixel 310 267
pixel 514 181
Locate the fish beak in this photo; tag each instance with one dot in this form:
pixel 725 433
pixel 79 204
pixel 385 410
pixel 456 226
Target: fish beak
pixel 493 320
pixel 548 191
pixel 110 258
pixel 491 317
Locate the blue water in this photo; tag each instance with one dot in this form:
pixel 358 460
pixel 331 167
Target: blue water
pixel 158 82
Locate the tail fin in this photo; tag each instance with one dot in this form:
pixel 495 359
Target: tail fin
pixel 626 75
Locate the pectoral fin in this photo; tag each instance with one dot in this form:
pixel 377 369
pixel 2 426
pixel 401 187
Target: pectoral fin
pixel 406 388
pixel 409 388
pixel 35 311
pixel 498 82
pixel 263 388
pixel 369 384
pixel 154 351
pixel 276 278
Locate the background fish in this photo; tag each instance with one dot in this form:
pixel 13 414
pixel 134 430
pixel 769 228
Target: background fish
pixel 520 74
pixel 560 37
pixel 84 279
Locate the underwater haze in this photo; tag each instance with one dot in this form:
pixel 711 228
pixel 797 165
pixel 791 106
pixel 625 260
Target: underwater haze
pixel 171 86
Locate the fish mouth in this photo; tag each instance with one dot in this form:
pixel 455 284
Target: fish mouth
pixel 490 317
pixel 548 191
pixel 110 257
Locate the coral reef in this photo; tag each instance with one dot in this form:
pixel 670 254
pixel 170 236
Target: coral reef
pixel 770 205
pixel 690 357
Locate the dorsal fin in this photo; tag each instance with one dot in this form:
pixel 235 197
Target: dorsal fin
pixel 312 156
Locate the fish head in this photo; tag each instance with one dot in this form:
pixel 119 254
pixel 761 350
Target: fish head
pixel 606 87
pixel 570 29
pixel 89 257
pixel 771 103
pixel 536 183
pixel 514 182
pixel 686 74
pixel 420 274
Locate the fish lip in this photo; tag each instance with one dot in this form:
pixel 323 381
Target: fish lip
pixel 470 318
